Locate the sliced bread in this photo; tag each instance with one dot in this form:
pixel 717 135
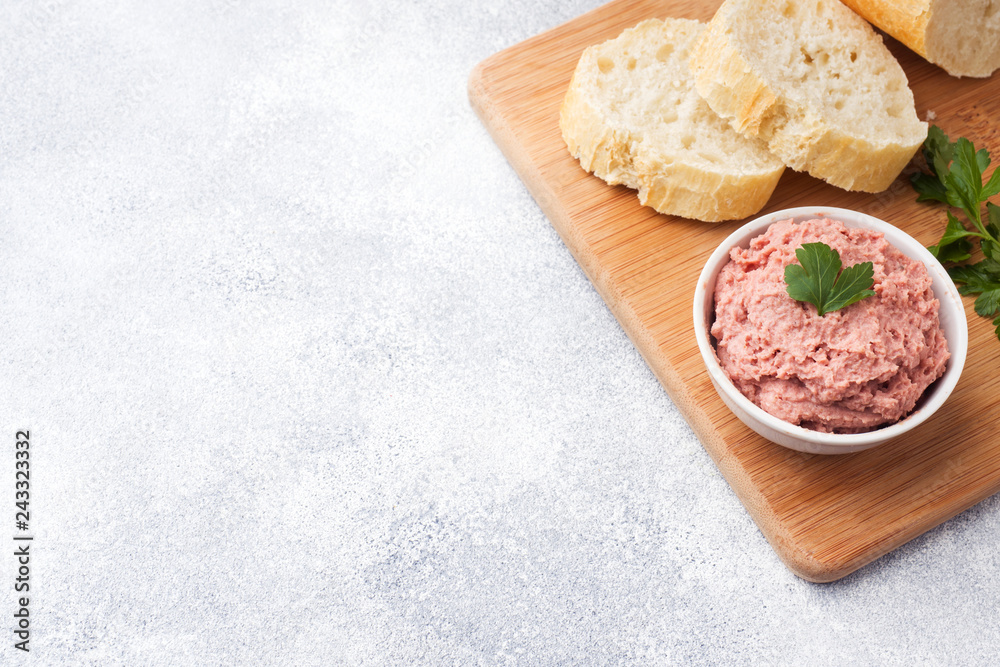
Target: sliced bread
pixel 812 80
pixel 961 36
pixel 632 116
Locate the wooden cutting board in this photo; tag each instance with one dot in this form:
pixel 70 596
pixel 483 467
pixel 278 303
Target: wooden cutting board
pixel 825 516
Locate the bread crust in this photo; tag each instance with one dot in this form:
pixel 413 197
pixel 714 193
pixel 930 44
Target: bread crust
pixel 919 24
pixel 803 139
pixel 906 20
pixel 667 185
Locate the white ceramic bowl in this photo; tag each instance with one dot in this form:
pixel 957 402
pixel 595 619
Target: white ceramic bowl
pixel 952 316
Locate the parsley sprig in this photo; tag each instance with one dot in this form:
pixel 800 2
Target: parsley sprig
pixel 817 278
pixel 956 179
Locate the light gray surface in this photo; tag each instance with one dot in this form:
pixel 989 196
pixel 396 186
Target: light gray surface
pixel 311 380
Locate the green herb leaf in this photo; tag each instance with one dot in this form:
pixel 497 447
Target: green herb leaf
pixel 993 218
pixel 938 152
pixel 965 180
pixel 929 188
pixel 992 187
pixel 853 284
pixel 954 246
pixel 956 179
pixel 990 244
pixel 976 278
pixel 817 279
pixel 988 303
pixel 991 249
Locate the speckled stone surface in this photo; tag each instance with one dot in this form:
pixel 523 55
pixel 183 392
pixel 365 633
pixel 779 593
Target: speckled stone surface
pixel 311 380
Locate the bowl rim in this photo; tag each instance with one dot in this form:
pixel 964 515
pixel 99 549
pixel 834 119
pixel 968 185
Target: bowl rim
pixel 942 387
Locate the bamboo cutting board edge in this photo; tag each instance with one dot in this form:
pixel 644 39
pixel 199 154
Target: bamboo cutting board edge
pixel 799 559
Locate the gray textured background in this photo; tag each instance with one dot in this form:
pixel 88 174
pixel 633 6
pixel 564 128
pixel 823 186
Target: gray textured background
pixel 311 380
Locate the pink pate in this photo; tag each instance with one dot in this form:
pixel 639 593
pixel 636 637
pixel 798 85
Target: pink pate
pixel 850 371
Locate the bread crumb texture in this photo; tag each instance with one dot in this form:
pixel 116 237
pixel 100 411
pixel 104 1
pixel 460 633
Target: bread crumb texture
pixel 815 82
pixel 632 116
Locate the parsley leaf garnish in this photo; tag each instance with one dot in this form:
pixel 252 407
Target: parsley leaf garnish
pixel 817 278
pixel 956 178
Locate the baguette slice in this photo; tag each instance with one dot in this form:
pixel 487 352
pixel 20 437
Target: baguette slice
pixel 631 115
pixel 814 81
pixel 961 36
